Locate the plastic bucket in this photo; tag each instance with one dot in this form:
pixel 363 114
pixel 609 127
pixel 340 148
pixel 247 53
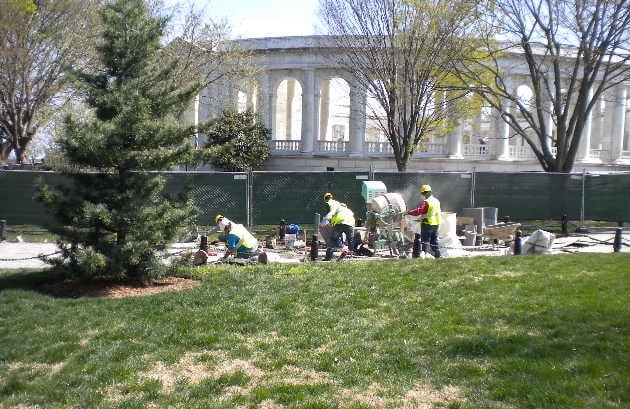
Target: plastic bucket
pixel 289 240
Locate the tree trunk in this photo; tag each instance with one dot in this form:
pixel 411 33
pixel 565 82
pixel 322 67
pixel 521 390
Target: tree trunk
pixel 5 150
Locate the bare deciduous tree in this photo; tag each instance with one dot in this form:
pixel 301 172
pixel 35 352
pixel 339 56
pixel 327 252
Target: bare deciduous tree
pixel 570 51
pixel 36 39
pixel 401 52
pixel 201 49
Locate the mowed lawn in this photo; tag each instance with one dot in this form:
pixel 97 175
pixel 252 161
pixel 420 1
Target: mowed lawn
pixel 513 332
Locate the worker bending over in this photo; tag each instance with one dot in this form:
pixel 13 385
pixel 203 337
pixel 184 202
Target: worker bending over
pixel 239 241
pixel 430 211
pixel 341 218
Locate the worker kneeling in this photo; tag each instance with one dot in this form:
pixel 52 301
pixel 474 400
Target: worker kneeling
pixel 341 218
pixel 240 242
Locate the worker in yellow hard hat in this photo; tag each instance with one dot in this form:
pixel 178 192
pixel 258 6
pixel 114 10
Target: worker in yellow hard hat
pixel 341 218
pixel 239 241
pixel 430 211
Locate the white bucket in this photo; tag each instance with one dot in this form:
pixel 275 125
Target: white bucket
pixel 289 240
pixel 448 225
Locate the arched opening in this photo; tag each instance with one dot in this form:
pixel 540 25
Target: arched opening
pixel 288 110
pixel 334 110
pixel 376 121
pixel 525 97
pixel 247 97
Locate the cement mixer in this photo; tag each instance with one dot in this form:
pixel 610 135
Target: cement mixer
pixel 385 218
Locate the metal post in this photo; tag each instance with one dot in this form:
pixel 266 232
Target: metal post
pixel 282 229
pixel 204 243
pixel 416 246
pixel 3 229
pixel 618 239
pixel 565 225
pixel 248 197
pixel 314 239
pixel 583 198
pixel 473 187
pixel 517 243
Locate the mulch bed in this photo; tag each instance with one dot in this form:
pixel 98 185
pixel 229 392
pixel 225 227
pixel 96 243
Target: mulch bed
pixel 109 289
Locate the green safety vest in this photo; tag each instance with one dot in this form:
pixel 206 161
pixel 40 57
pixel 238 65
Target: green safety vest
pixel 343 215
pixel 433 214
pixel 245 238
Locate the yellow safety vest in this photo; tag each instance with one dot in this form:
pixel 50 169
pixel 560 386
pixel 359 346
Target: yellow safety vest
pixel 245 238
pixel 343 215
pixel 433 214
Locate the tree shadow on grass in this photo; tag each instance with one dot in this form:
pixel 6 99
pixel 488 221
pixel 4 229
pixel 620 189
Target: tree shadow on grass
pixel 28 279
pixel 571 347
pixel 54 283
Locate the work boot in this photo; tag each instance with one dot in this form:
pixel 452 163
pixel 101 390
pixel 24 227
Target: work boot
pixel 329 254
pixel 262 258
pixel 343 254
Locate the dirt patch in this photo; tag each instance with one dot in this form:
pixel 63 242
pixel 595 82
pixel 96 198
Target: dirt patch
pixel 109 289
pixel 422 396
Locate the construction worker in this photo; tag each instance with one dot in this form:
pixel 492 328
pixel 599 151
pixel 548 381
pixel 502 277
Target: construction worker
pixel 341 218
pixel 240 242
pixel 430 211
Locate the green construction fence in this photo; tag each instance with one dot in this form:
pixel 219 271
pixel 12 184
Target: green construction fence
pixel 257 198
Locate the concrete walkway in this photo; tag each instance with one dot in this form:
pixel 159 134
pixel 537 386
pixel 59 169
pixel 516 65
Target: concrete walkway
pixel 26 255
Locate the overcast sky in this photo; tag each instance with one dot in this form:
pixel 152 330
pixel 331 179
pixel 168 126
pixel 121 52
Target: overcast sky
pixel 265 18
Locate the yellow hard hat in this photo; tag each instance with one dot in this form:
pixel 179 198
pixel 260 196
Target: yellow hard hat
pixel 217 218
pixel 328 195
pixel 425 188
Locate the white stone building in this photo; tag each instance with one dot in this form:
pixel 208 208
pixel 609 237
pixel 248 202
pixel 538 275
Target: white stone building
pixel 318 119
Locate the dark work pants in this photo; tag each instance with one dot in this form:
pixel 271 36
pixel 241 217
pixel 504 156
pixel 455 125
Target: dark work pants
pixel 348 230
pixel 338 230
pixel 429 236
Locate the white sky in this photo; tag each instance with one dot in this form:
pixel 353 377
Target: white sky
pixel 265 18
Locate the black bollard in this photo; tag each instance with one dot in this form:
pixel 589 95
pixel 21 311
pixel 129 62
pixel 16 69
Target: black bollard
pixel 282 229
pixel 416 246
pixel 618 239
pixel 314 247
pixel 517 243
pixel 3 229
pixel 204 243
pixel 565 225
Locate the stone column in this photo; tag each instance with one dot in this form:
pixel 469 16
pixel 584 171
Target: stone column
pixel 309 111
pixel 272 97
pixel 324 112
pixel 455 142
pixel 358 98
pixel 231 95
pixel 263 100
pixel 215 97
pixel 251 102
pixel 597 128
pixel 476 125
pixel 619 122
pixel 584 149
pixel 455 138
pixel 288 114
pixel 503 134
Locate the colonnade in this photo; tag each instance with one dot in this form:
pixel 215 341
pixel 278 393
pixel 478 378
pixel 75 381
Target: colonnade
pixel 604 139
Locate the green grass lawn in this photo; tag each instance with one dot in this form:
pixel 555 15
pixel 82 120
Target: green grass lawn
pixel 514 332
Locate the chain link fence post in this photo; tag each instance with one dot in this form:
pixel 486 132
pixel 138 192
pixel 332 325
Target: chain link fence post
pixel 3 229
pixel 248 197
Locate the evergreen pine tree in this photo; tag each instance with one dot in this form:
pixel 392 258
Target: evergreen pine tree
pixel 115 220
